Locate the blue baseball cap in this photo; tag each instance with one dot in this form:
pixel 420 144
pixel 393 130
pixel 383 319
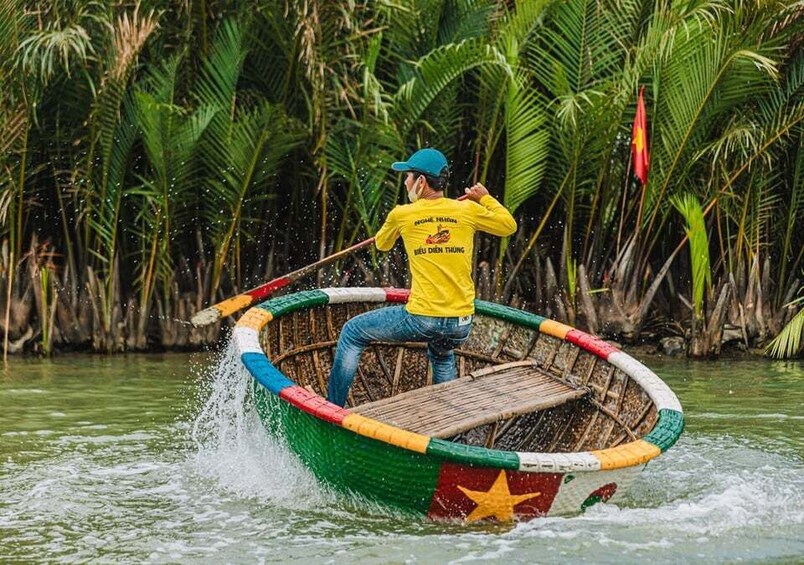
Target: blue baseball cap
pixel 427 161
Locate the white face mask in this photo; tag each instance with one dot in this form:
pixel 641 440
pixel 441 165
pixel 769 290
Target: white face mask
pixel 414 193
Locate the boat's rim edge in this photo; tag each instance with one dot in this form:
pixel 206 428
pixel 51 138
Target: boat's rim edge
pixel 663 435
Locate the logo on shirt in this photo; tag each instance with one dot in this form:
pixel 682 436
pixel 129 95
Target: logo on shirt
pixel 441 236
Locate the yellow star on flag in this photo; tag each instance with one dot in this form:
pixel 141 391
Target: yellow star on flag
pixel 639 140
pixel 497 502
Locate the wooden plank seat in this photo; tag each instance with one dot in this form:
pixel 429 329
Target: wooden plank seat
pixel 482 397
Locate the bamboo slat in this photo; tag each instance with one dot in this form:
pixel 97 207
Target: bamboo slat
pixel 483 397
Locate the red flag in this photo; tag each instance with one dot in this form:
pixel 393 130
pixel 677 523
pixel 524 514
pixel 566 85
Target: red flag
pixel 639 140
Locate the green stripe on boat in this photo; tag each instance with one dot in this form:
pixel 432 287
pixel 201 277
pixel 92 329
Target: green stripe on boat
pixel 292 302
pixel 473 455
pixel 508 314
pixel 667 430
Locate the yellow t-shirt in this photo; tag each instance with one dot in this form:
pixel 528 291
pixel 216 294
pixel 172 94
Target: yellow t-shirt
pixel 439 240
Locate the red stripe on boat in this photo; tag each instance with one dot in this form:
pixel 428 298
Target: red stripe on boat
pixel 590 343
pixel 397 294
pixel 268 288
pixel 313 404
pixel 481 493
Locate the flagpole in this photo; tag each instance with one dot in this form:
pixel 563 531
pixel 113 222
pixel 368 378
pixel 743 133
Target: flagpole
pixel 625 197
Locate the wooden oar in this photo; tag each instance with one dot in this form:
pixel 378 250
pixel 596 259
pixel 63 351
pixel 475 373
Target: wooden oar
pixel 234 304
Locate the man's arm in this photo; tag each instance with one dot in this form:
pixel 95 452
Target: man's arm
pixel 492 217
pixel 388 234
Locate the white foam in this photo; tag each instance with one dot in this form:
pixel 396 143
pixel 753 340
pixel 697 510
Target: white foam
pixel 709 493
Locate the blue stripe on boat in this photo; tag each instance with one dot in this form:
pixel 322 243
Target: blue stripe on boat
pixel 266 374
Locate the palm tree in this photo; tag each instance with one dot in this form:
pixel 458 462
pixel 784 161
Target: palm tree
pixel 112 134
pixel 170 137
pixel 243 147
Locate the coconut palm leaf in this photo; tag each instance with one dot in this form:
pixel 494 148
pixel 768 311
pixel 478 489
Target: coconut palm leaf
pixel 702 78
pixel 793 216
pixel 788 343
pixel 17 108
pixel 14 26
pixel 241 157
pixel 433 73
pixel 360 156
pixel 414 29
pixel 170 137
pixel 51 50
pixel 527 147
pixel 770 139
pixel 690 209
pixel 217 85
pixel 575 51
pixel 464 19
pixel 112 135
pixel 104 217
pixel 511 35
pixel 578 57
pixel 271 64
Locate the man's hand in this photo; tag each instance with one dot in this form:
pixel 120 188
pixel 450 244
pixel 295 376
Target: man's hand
pixel 476 192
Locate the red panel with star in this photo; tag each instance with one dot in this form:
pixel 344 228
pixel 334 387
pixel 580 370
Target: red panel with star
pixel 473 493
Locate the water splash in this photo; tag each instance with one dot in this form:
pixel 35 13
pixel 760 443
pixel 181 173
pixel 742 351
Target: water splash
pixel 232 448
pixel 226 414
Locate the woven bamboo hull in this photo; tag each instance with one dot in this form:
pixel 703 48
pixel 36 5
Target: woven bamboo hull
pixel 549 461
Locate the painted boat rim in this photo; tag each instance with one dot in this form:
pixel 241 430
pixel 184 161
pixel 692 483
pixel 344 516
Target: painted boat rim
pixel 662 436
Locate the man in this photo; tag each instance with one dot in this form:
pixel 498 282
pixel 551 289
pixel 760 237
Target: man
pixel 438 234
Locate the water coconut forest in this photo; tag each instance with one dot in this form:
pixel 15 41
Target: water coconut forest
pixel 159 156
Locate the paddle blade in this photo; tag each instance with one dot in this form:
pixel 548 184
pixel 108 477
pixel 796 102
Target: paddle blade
pixel 221 310
pixel 205 317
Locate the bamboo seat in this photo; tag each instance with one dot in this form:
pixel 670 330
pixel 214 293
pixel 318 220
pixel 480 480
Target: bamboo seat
pixel 485 396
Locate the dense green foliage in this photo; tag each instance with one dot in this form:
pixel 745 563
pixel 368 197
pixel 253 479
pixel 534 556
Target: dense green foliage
pixel 160 155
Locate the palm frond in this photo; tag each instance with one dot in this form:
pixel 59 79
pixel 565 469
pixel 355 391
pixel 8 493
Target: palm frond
pixel 788 343
pixel 359 155
pixel 527 146
pixel 241 156
pixel 48 51
pixel 217 84
pixel 518 26
pixel 114 130
pixel 690 209
pixel 575 51
pixel 105 199
pixel 702 79
pixel 14 25
pixel 434 73
pixel 170 138
pixel 464 19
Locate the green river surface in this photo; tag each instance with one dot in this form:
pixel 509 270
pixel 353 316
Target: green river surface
pixel 156 458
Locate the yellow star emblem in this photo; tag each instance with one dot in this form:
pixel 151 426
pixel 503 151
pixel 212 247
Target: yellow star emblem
pixel 639 140
pixel 497 502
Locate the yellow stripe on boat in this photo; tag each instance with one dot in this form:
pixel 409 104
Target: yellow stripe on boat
pixel 383 432
pixel 256 319
pixel 633 453
pixel 555 329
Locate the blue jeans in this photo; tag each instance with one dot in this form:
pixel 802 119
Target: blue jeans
pixel 394 323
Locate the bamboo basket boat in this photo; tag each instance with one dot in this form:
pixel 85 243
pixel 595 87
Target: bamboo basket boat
pixel 543 420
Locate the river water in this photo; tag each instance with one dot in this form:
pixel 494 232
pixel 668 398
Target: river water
pixel 153 459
